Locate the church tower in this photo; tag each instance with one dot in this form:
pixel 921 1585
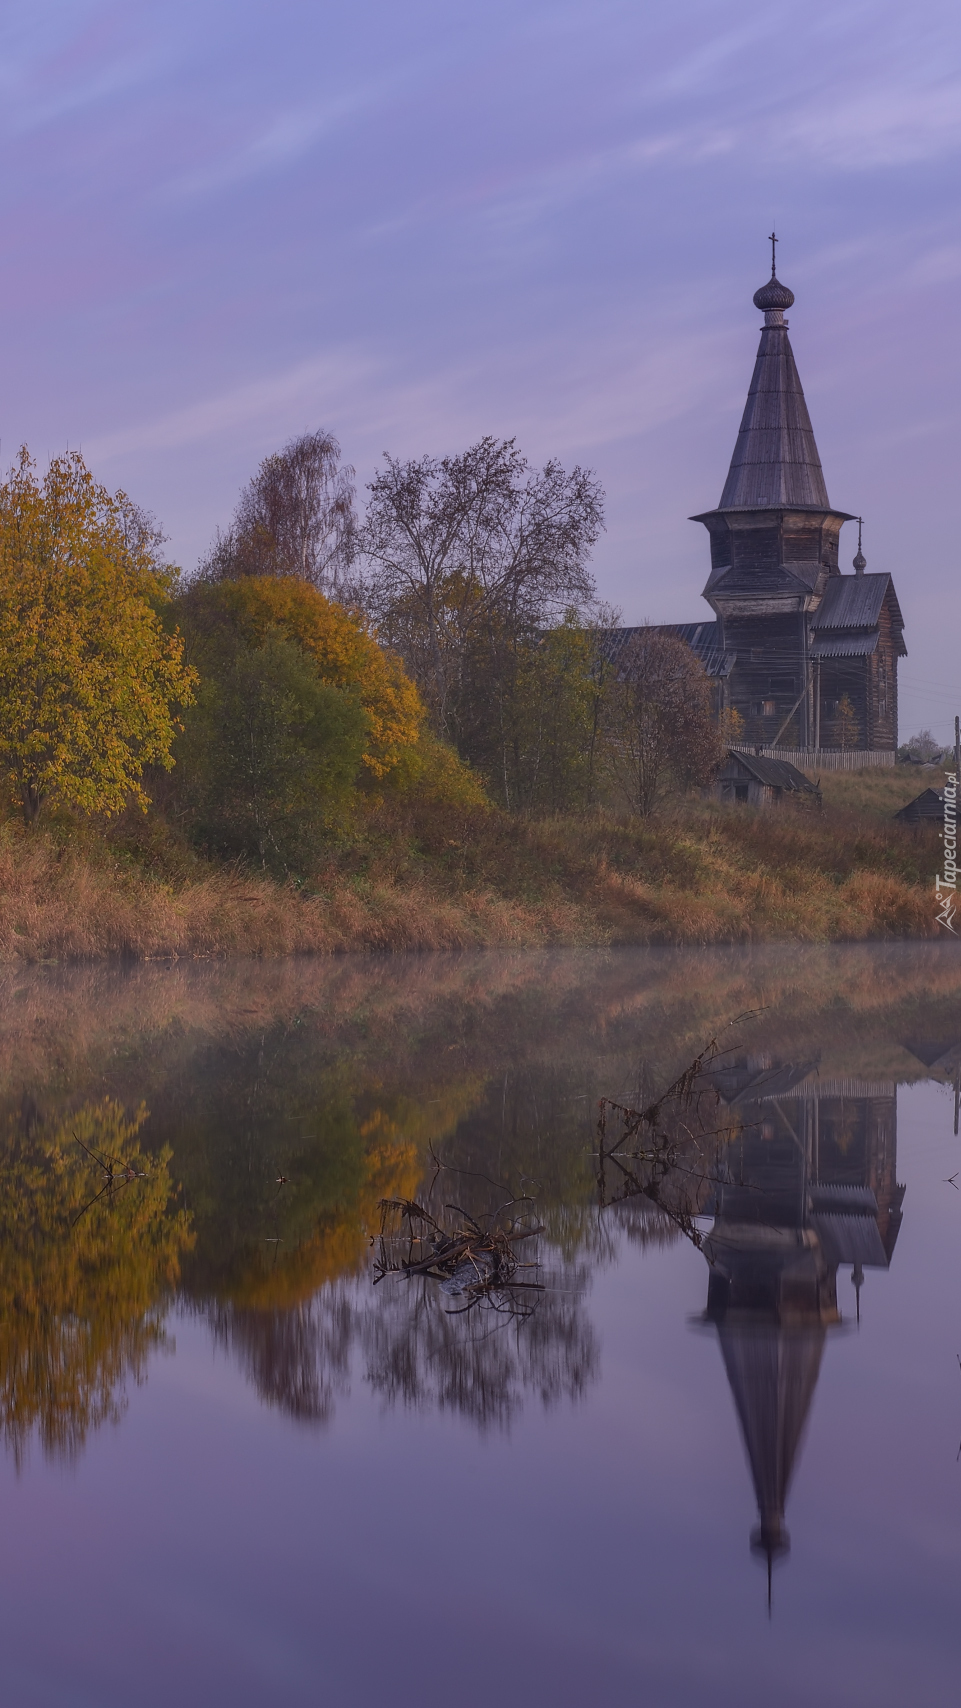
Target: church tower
pixel 813 652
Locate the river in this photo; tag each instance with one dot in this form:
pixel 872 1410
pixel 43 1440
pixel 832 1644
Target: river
pixel 699 1439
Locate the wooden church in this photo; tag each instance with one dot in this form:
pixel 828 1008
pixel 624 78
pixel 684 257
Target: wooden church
pixel 805 655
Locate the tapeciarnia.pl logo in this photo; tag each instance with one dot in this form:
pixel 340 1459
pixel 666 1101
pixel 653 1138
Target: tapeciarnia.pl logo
pixel 946 883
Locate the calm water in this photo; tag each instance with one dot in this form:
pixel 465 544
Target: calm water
pixel 238 1472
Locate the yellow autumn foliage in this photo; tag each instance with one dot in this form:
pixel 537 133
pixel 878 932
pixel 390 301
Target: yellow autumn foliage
pixel 89 680
pixel 87 1269
pixel 396 1134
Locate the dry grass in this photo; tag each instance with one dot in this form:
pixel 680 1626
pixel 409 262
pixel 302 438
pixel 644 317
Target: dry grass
pixel 880 791
pixel 451 879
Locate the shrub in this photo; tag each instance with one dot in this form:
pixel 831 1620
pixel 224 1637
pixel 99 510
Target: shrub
pixel 338 642
pixel 270 755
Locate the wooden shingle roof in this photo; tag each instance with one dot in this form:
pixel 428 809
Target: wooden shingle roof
pixel 775 462
pixel 702 638
pixel 847 621
pixel 773 773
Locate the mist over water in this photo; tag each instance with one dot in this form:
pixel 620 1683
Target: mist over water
pixel 708 1442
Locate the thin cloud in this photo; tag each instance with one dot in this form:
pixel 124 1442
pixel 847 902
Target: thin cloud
pixel 323 380
pixel 887 125
pixel 284 140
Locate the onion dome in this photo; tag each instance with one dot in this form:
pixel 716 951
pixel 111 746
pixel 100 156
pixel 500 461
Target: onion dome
pixel 773 295
pixel 860 562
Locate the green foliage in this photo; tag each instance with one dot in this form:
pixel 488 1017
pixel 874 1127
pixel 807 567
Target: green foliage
pixel 270 753
pixel 338 643
pixel 552 713
pixel 430 773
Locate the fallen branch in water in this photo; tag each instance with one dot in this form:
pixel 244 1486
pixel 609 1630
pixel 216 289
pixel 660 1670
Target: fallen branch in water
pixel 474 1261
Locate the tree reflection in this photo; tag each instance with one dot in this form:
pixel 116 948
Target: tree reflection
pixel 407 1344
pixel 297 1359
pixel 86 1267
pixel 420 1353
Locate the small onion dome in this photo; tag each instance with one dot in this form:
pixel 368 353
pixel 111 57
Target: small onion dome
pixel 860 562
pixel 773 295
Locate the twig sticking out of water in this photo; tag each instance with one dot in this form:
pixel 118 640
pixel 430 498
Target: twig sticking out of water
pixel 116 1174
pixel 666 1152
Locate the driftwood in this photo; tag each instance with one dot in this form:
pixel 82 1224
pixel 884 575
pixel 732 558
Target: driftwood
pixel 474 1261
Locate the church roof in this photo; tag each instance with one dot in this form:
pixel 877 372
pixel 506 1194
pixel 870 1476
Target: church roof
pixel 851 602
pixel 846 623
pixel 775 463
pixel 773 1371
pixel 702 638
pixel 847 643
pixel 850 1239
pixel 797 579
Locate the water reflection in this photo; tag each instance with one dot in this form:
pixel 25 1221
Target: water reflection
pixel 412 1346
pixel 287 1101
pixel 90 1250
pixel 808 1186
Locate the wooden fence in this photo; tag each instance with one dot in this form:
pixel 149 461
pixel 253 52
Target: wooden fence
pixel 822 758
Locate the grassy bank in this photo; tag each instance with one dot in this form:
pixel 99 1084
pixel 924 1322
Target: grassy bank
pixel 441 878
pixel 879 791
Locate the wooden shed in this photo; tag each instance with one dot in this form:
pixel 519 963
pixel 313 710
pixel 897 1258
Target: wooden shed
pixel 925 808
pixel 762 782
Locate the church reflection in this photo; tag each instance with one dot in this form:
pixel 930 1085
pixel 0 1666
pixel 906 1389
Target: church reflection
pixel 808 1186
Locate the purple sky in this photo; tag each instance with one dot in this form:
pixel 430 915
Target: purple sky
pixel 418 221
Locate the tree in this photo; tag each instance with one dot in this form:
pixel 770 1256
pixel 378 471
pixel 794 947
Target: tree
pixel 468 557
pixel 270 755
pixel 295 517
pixel 847 723
pixel 557 693
pixel 338 643
pixel 922 747
pixel 298 704
pixel 731 726
pixel 90 682
pixel 658 719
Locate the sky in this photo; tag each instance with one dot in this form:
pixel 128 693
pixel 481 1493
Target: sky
pixel 415 222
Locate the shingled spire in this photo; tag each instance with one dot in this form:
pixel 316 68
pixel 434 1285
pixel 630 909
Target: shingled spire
pixel 775 461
